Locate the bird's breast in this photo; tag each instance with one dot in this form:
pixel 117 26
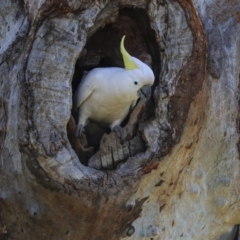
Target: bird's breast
pixel 105 107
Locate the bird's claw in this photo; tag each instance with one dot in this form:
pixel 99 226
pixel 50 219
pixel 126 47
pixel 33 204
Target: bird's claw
pixel 119 131
pixel 79 130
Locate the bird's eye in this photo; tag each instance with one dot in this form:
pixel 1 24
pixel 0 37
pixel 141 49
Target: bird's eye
pixel 136 83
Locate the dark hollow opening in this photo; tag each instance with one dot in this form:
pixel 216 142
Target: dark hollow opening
pixel 103 50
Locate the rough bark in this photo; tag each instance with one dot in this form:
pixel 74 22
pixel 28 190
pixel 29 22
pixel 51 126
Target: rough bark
pixel 175 175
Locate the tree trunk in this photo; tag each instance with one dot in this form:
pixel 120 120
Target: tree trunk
pixel 174 176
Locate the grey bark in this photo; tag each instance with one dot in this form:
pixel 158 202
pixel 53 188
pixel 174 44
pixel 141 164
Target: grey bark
pixel 178 176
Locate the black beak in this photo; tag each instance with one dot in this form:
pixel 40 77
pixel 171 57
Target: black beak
pixel 145 92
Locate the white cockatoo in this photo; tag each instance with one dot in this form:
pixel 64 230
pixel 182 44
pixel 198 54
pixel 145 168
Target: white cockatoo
pixel 107 94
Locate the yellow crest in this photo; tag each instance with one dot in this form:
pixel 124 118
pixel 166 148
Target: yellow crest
pixel 128 63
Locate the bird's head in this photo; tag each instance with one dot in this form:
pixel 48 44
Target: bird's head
pixel 140 74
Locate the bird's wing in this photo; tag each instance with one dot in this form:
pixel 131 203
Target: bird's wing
pixel 83 92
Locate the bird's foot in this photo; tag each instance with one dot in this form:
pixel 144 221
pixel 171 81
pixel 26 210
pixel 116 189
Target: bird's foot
pixel 79 130
pixel 119 131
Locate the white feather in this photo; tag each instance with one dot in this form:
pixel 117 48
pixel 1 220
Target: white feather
pixel 106 94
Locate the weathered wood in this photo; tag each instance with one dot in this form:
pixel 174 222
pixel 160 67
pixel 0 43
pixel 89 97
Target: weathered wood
pixel 182 181
pixel 80 146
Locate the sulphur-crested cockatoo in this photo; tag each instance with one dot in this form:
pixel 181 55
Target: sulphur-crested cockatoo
pixel 107 94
